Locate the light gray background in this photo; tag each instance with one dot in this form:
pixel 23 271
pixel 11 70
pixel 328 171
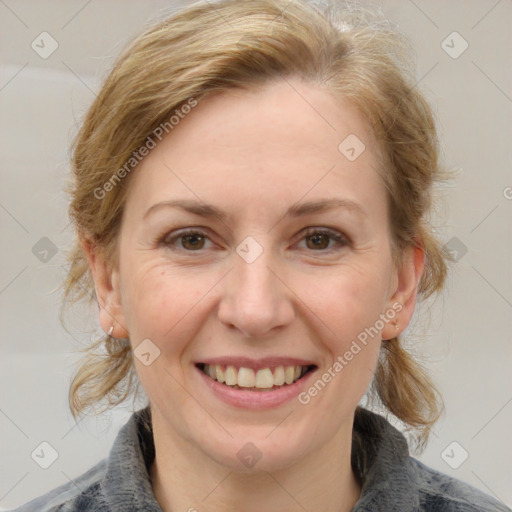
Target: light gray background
pixel 467 344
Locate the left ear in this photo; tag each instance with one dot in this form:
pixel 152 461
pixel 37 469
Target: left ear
pixel 405 291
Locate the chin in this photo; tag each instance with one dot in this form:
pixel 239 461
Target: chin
pixel 253 455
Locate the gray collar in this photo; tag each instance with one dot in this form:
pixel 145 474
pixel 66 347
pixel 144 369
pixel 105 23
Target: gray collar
pixel 380 459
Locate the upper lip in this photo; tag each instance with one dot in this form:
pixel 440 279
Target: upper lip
pixel 256 364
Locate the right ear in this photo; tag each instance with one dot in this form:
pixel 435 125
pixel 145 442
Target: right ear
pixel 106 282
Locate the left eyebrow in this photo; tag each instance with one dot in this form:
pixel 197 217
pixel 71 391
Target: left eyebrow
pixel 322 205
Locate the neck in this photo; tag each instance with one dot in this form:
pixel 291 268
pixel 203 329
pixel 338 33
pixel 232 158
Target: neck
pixel 184 478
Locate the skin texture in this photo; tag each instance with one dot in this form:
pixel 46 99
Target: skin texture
pixel 253 154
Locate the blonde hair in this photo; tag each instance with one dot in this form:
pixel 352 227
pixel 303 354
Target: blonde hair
pixel 213 47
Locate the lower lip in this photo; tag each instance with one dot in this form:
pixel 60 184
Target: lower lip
pixel 256 399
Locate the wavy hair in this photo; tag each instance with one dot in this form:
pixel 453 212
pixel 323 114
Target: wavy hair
pixel 208 48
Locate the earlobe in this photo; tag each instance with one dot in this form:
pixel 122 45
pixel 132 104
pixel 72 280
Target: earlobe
pixel 403 300
pixel 107 291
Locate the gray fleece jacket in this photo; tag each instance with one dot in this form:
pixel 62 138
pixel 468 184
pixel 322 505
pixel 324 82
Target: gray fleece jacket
pixel 391 480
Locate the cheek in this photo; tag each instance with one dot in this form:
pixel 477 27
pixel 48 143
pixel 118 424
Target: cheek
pixel 350 305
pixel 160 302
pixel 164 308
pixel 347 300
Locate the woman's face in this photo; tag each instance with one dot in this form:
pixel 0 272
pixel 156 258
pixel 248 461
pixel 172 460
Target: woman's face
pixel 276 279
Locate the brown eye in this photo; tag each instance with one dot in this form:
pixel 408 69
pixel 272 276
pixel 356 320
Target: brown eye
pixel 192 242
pixel 318 241
pixel 188 241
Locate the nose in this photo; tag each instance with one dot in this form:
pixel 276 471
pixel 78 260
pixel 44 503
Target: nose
pixel 254 300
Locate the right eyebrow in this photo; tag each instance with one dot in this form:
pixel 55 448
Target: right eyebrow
pixel 191 206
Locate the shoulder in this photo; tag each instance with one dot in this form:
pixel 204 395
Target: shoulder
pixel 438 492
pixel 393 480
pixel 120 479
pixel 81 494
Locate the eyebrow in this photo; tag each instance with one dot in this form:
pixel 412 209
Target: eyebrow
pixel 296 210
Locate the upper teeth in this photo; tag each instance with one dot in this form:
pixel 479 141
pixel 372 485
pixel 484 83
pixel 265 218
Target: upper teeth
pixel 248 378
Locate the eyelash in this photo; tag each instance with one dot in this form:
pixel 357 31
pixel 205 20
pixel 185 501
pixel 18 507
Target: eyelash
pixel 341 240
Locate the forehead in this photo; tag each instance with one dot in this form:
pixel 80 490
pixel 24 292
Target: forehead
pixel 279 141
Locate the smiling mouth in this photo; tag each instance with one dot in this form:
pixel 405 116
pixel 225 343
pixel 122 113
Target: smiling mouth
pixel 264 379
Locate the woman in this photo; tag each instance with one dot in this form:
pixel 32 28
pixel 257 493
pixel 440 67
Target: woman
pixel 250 195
